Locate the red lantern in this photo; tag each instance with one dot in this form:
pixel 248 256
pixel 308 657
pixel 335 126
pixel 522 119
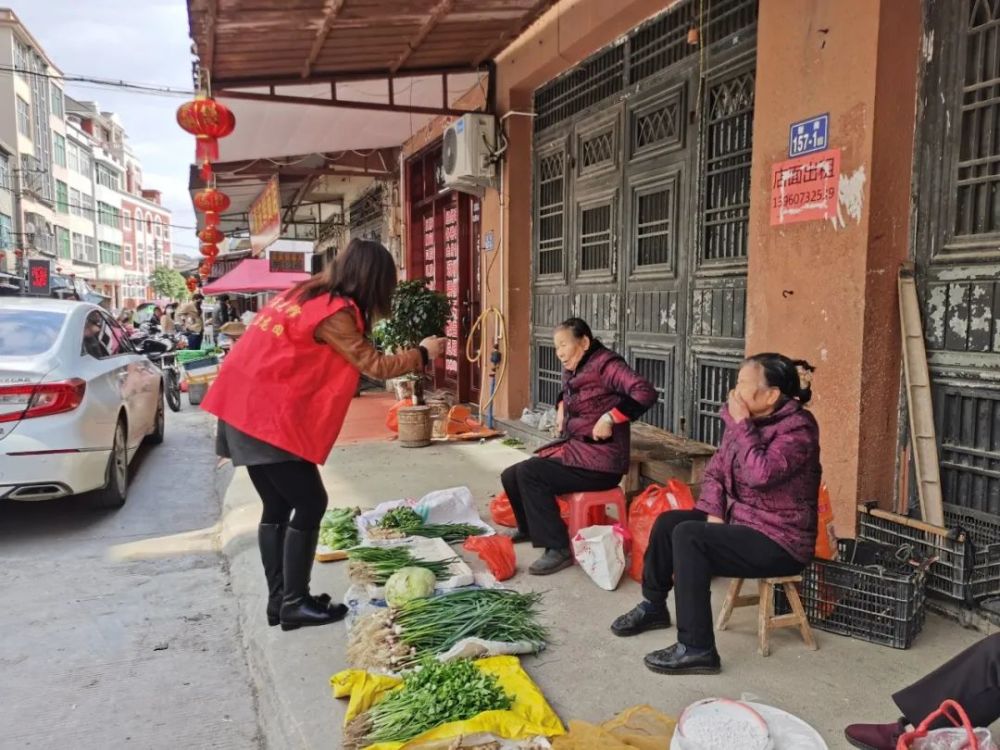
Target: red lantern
pixel 211 235
pixel 192 283
pixel 207 120
pixel 212 219
pixel 209 250
pixel 211 199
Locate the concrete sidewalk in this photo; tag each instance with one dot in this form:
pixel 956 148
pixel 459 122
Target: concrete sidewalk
pixel 586 673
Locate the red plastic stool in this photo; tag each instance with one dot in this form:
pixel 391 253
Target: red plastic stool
pixel 580 504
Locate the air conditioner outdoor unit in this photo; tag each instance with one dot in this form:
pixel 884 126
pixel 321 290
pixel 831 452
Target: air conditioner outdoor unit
pixel 466 157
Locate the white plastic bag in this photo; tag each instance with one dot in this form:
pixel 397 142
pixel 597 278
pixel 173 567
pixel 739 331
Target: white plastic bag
pixel 600 551
pixel 953 739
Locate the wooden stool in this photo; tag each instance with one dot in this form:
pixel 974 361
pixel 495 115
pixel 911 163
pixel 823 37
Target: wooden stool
pixel 766 619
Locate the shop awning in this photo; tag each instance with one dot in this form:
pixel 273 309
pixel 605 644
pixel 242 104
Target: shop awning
pixel 251 276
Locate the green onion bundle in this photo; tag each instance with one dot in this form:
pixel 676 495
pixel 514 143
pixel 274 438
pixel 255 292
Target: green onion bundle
pixel 376 564
pixel 338 530
pixel 434 694
pixel 397 639
pixel 401 522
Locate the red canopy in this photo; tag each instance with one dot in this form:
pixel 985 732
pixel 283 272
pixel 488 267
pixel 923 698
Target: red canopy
pixel 253 275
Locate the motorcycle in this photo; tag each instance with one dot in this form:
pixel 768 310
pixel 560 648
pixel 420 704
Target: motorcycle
pixel 161 349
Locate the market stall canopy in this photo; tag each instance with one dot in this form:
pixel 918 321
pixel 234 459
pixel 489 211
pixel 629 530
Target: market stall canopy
pixel 251 276
pixel 315 76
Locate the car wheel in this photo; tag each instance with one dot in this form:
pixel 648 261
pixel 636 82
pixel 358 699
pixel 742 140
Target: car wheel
pixel 115 493
pixel 156 436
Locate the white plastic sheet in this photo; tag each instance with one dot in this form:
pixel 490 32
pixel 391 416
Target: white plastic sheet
pixel 454 505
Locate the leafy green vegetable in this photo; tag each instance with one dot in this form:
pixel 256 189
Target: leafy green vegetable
pixel 337 529
pixel 433 694
pixel 400 518
pixel 407 584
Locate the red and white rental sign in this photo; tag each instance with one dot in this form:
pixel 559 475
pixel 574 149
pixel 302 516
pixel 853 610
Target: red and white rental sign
pixel 805 188
pixel 265 217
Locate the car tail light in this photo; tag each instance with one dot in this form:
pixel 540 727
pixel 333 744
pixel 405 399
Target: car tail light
pixel 45 399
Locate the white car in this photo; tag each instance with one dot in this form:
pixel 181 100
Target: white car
pixel 76 401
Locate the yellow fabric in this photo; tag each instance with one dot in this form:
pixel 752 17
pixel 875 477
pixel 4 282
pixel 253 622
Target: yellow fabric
pixel 529 716
pixel 636 728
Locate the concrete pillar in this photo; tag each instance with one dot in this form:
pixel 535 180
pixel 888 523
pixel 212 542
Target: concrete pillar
pixel 825 290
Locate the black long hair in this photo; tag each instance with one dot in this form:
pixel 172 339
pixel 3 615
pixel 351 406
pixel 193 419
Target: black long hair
pixel 364 272
pixel 784 374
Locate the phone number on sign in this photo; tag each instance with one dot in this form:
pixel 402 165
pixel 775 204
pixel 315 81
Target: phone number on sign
pixel 799 199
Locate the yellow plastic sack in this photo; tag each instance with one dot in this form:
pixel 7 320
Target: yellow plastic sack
pixel 636 728
pixel 530 715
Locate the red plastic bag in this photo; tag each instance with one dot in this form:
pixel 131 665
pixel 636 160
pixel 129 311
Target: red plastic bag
pixel 392 418
pixel 965 735
pixel 826 537
pixel 501 512
pixel 644 511
pixel 497 552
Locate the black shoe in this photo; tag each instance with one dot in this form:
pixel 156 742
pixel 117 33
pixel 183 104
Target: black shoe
pixel 516 536
pixel 298 608
pixel 639 620
pixel 271 540
pixel 551 562
pixel 678 660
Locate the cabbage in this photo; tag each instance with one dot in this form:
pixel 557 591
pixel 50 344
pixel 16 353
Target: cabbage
pixel 408 583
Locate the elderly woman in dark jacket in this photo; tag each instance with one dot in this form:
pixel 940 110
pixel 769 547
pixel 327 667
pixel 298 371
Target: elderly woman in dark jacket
pixel 756 517
pixel 601 395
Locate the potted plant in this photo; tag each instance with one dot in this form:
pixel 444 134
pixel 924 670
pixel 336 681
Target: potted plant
pixel 417 312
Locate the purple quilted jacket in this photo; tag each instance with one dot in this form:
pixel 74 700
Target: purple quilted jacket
pixel 601 382
pixel 766 476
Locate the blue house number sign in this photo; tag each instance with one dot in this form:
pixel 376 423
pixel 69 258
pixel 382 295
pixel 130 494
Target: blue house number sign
pixel 808 136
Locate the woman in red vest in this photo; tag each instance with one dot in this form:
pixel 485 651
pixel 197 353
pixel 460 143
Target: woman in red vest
pixel 281 398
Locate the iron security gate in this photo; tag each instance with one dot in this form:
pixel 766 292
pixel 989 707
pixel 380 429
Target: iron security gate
pixel 641 201
pixel 957 174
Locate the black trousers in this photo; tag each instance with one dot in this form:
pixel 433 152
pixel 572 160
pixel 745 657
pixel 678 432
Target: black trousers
pixel 532 487
pixel 290 486
pixel 685 552
pixel 972 679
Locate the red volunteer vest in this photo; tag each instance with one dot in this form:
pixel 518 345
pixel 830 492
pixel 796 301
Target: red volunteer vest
pixel 280 385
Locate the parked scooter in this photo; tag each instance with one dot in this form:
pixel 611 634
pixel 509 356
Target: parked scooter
pixel 161 348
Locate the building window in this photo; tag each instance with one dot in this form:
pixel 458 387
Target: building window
pixel 108 177
pixel 75 202
pixel 127 220
pixel 87 206
pixel 62 197
pixel 77 246
pixel 63 243
pixel 159 228
pixel 6 232
pixel 4 173
pixel 73 156
pixel 59 149
pixel 108 215
pixel 128 254
pixel 23 117
pixel 20 56
pixel 84 167
pixel 89 249
pixel 58 108
pixel 111 254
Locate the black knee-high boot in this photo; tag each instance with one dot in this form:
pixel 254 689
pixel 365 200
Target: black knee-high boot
pixel 271 540
pixel 298 608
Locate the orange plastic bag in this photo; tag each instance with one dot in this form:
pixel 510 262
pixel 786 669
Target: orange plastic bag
pixel 501 512
pixel 392 418
pixel 497 552
pixel 645 509
pixel 826 536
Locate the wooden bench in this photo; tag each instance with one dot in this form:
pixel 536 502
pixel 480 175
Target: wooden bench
pixel 660 456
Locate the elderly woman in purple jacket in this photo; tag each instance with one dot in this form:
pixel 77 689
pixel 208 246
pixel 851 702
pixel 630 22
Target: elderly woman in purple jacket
pixel 600 396
pixel 756 517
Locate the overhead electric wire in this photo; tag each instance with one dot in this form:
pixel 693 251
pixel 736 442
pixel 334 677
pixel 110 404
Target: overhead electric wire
pixel 151 89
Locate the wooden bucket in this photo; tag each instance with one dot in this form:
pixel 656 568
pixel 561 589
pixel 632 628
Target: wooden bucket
pixel 415 426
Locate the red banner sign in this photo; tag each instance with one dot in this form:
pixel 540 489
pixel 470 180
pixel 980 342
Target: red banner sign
pixel 805 189
pixel 286 262
pixel 265 217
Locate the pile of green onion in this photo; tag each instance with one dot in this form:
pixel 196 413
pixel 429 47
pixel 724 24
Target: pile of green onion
pixel 433 694
pixel 402 522
pixel 398 639
pixel 376 564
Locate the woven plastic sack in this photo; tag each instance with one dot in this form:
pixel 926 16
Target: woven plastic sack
pixel 497 552
pixel 529 716
pixel 645 509
pixel 636 728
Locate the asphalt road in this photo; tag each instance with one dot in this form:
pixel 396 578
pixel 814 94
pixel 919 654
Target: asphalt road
pixel 119 627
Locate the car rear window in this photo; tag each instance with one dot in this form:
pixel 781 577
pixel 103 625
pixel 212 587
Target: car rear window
pixel 25 333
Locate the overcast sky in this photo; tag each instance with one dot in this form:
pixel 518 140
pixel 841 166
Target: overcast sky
pixel 144 41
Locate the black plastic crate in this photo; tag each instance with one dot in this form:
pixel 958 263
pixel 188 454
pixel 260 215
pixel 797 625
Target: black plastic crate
pixel 863 599
pixel 967 551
